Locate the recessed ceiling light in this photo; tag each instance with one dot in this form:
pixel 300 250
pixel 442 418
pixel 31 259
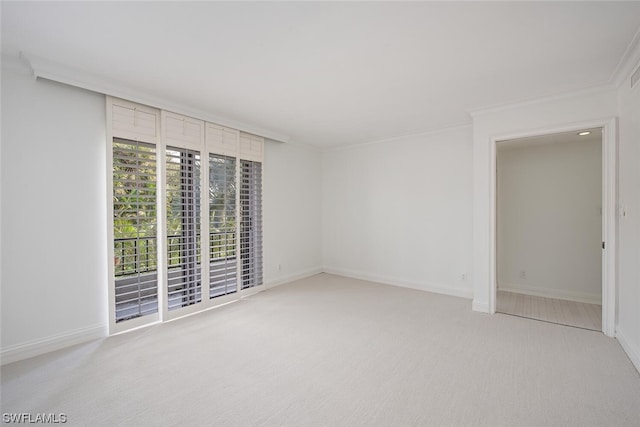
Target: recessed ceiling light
pixel 584 133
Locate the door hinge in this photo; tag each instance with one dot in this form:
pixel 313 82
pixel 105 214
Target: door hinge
pixel 602 245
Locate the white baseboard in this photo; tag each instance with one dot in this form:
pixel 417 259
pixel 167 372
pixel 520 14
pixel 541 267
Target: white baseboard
pixel 292 277
pixel 631 349
pixel 34 348
pixel 404 283
pixel 480 307
pixel 551 293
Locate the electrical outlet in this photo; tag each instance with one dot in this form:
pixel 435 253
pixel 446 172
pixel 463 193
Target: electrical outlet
pixel 523 274
pixel 463 277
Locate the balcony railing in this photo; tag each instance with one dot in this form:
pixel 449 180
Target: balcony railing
pixel 139 255
pixel 136 284
pixel 135 255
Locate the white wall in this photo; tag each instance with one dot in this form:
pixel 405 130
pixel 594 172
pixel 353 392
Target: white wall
pixel 54 284
pixel 399 212
pixel 540 117
pixel 549 220
pixel 53 266
pixel 292 212
pixel 628 328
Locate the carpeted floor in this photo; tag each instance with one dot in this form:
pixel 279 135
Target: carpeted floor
pixel 337 352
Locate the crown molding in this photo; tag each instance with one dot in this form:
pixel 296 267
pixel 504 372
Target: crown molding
pixel 42 68
pixel 398 137
pixel 518 104
pixel 629 61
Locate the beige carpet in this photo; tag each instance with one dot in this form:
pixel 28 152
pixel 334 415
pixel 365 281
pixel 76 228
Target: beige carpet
pixel 337 352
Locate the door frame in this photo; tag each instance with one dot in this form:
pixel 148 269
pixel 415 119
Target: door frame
pixel 609 211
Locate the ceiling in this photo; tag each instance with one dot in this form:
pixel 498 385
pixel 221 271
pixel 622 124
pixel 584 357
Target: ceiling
pixel 331 74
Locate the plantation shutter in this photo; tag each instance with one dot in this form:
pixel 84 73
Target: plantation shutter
pixel 251 223
pixel 187 235
pixel 133 121
pixel 184 137
pixel 251 147
pixel 135 228
pixel 222 226
pixel 222 140
pixel 183 227
pixel 182 131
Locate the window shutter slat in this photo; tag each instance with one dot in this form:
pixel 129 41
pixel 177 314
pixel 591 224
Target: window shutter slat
pixel 133 121
pixel 251 147
pixel 183 227
pixel 183 131
pixel 222 140
pixel 251 224
pixel 134 217
pixel 222 225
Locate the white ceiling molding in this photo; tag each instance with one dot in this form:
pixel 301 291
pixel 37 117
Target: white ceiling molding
pixel 384 70
pixel 399 137
pixel 43 68
pixel 629 61
pixel 635 77
pixel 497 108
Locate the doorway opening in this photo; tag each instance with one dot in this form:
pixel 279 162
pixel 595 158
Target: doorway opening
pixel 549 227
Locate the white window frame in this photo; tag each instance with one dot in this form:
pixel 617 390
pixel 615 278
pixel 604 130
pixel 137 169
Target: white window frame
pixel 205 138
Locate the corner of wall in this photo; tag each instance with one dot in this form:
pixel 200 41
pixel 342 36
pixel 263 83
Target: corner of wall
pixel 633 352
pixel 293 277
pixel 436 288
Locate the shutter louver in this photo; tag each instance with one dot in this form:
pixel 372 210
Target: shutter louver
pixel 251 223
pixel 183 227
pixel 222 140
pixel 135 122
pixel 251 147
pixel 181 130
pixel 135 229
pixel 222 225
